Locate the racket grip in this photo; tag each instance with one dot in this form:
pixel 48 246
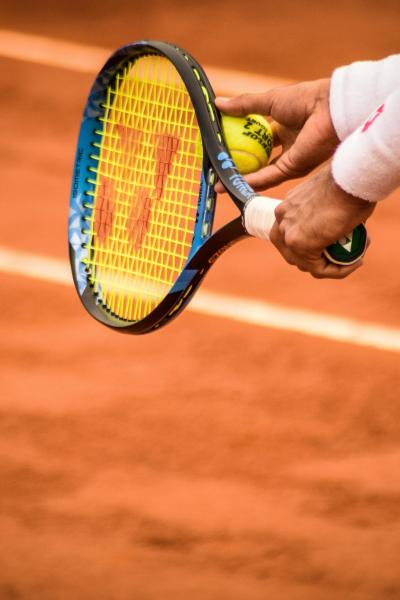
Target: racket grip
pixel 259 218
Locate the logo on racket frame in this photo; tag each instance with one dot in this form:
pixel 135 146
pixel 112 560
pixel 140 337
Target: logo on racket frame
pixel 237 180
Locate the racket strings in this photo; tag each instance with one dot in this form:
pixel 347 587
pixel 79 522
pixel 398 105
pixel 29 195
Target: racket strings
pixel 146 188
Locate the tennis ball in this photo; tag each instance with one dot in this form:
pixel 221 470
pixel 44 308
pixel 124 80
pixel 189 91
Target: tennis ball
pixel 249 140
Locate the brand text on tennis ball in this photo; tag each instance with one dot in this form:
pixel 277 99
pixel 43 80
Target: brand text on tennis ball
pixel 249 140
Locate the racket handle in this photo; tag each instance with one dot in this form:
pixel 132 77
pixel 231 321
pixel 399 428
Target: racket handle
pixel 259 217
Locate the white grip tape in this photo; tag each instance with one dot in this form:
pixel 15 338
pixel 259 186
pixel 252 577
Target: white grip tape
pixel 259 216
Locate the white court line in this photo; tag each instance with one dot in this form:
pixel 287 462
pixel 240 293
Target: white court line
pixel 89 59
pixel 244 310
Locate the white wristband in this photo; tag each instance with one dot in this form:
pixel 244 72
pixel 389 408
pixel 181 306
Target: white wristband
pixel 367 163
pixel 357 89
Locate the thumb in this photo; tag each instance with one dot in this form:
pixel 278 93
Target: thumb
pixel 245 104
pixel 268 177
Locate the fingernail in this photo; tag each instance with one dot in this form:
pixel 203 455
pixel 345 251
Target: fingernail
pixel 223 98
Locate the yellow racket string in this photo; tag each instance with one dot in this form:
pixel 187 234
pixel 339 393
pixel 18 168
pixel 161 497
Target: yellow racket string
pixel 146 188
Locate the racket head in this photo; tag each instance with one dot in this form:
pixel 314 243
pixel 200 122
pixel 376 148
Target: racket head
pixel 142 199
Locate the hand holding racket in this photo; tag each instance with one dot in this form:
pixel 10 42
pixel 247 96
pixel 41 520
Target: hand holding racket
pixel 149 153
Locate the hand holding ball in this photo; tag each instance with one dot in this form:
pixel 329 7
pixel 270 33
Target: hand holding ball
pixel 250 141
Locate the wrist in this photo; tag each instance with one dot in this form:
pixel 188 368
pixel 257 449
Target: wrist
pixel 323 107
pixel 334 133
pixel 356 209
pixel 345 196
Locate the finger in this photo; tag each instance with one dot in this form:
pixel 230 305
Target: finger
pixel 246 104
pixel 270 176
pixel 326 270
pixel 302 269
pixel 278 241
pixel 322 269
pixel 276 136
pixel 219 188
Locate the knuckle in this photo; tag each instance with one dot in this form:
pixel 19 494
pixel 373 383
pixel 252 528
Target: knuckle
pixel 290 260
pixel 289 167
pixel 276 237
pixel 282 229
pixel 342 273
pixel 293 240
pixel 279 212
pixel 244 102
pixel 317 275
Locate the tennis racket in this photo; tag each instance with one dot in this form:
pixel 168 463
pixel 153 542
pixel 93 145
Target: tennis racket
pixel 150 151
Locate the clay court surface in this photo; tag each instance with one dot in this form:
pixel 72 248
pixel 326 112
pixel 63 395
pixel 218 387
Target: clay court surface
pixel 215 459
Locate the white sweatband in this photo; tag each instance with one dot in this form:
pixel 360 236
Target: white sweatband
pixel 367 163
pixel 357 89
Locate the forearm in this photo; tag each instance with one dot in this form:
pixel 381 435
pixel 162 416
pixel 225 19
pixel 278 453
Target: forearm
pixel 367 162
pixel 357 89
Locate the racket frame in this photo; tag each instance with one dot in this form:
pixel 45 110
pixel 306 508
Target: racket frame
pixel 217 163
